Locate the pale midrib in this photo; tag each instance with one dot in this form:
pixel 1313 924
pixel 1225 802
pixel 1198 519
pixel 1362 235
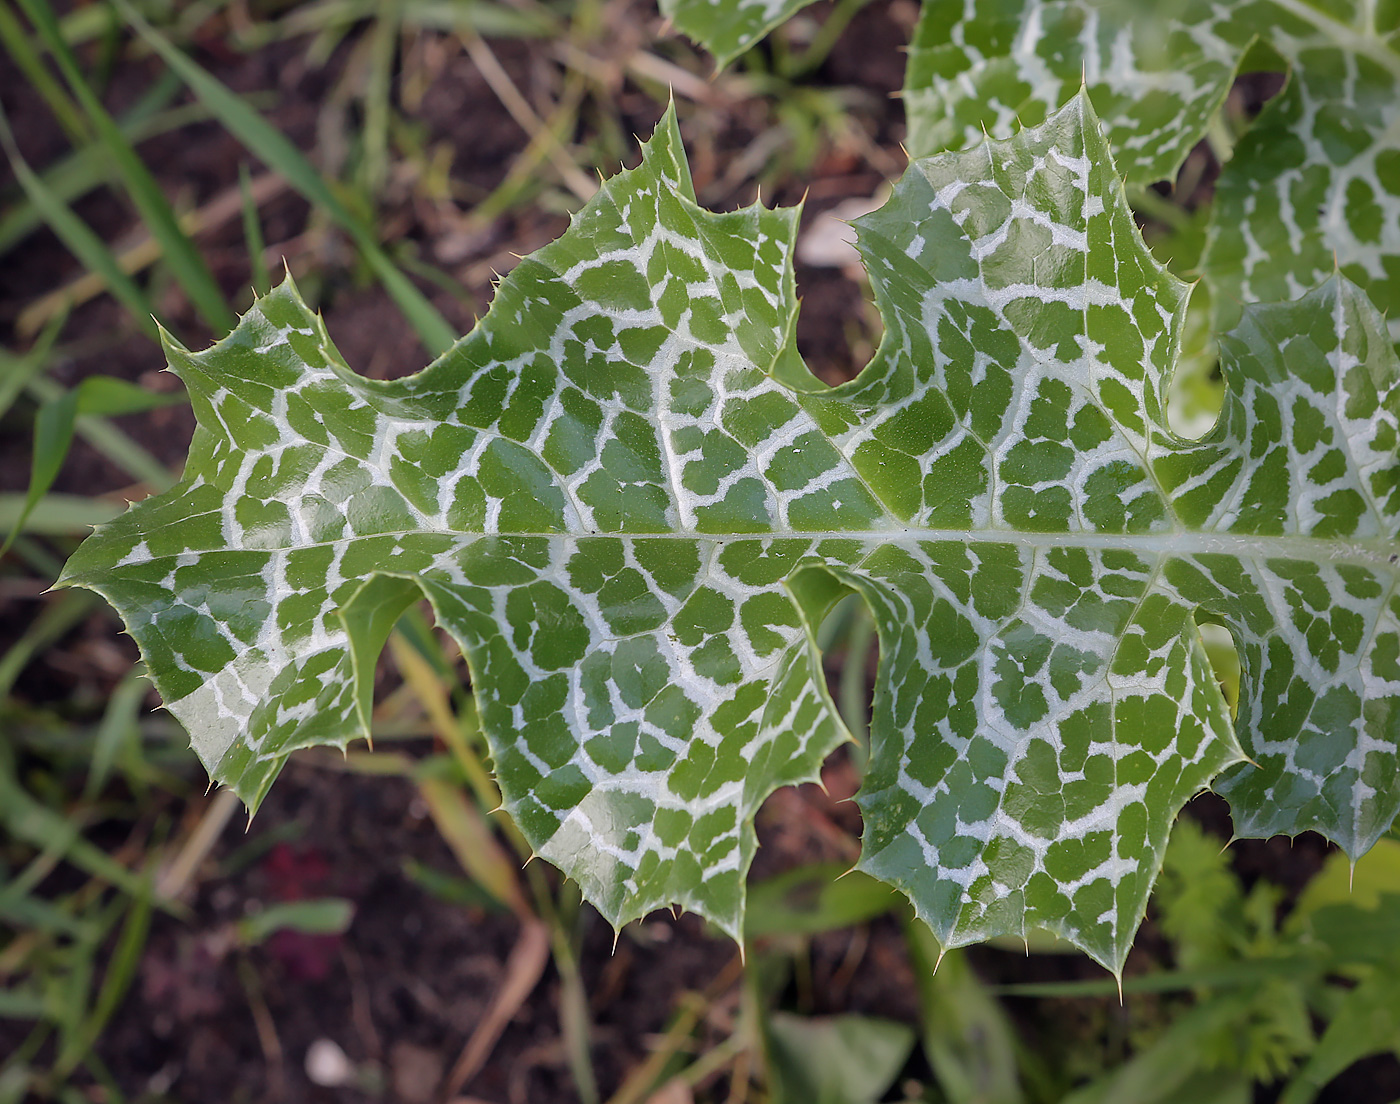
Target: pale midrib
pixel 1348 37
pixel 1171 543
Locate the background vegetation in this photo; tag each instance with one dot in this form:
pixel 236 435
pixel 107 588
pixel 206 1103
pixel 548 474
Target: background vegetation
pixel 373 935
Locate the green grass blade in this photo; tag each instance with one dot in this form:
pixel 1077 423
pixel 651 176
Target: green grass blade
pixel 319 916
pixel 112 397
pixel 39 826
pixel 56 514
pixel 76 235
pixel 253 235
pixel 272 148
pixel 36 914
pixel 53 430
pixel 72 988
pixel 491 20
pixel 21 50
pixel 378 96
pixel 452 888
pixel 17 371
pixel 180 253
pixel 95 1066
pixel 487 19
pixel 118 728
pixel 58 617
pixel 34 555
pixel 16 1075
pixel 109 440
pixel 21 1004
pixel 53 433
pixel 89 167
pixel 121 970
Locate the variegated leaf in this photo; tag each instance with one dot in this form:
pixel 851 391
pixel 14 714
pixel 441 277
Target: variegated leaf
pixel 729 27
pixel 628 501
pixel 1315 184
pixel 1316 181
pixel 1157 72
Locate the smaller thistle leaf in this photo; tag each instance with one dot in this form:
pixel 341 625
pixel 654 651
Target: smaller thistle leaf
pixel 727 28
pixel 1157 74
pixel 1313 187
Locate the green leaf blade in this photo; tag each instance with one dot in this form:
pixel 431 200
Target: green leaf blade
pixel 274 149
pixel 633 518
pixel 1316 632
pixel 1018 803
pixel 1156 73
pixel 1314 186
pixel 729 27
pixel 316 479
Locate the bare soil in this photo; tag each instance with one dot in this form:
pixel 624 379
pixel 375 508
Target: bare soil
pixel 402 989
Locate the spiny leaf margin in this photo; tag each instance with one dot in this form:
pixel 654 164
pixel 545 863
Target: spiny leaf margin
pixel 999 485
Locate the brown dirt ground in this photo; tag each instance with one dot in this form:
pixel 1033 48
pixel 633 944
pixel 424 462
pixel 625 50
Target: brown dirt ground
pixel 407 982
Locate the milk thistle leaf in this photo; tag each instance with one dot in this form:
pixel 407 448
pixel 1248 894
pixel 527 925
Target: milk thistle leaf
pixel 727 28
pixel 1313 185
pixel 631 505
